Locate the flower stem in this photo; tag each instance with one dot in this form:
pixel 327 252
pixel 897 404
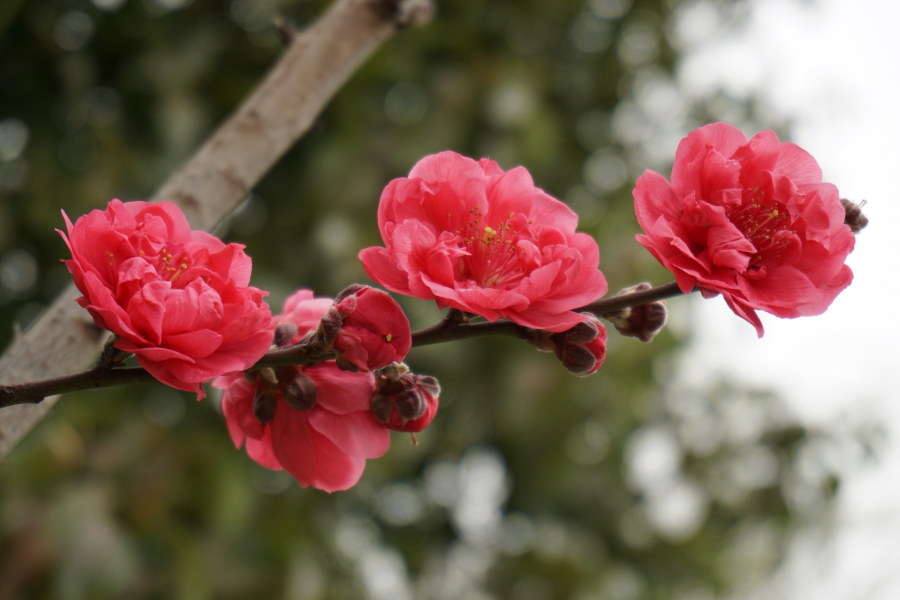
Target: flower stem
pixel 454 326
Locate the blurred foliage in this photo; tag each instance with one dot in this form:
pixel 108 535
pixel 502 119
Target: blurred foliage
pixel 531 484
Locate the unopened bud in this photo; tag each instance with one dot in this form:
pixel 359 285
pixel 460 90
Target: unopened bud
pixel 284 333
pixel 410 404
pixel 301 393
pixel 350 290
pixel 428 384
pixel 286 373
pixel 264 405
pixel 330 326
pixel 404 401
pixel 643 321
pixel 576 358
pixel 382 407
pixel 853 215
pixel 583 333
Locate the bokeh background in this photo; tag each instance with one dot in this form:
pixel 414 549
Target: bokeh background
pixel 682 470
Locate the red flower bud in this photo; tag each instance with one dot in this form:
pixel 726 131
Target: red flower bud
pixel 410 404
pixel 330 326
pixel 374 332
pixel 301 393
pixel 284 334
pixel 578 352
pixel 576 358
pixel 643 321
pixel 264 404
pixel 350 290
pixel 853 215
pixel 428 384
pixel 582 333
pixel 404 401
pixel 382 406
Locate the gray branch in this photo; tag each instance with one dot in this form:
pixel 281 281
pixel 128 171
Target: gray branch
pixel 213 182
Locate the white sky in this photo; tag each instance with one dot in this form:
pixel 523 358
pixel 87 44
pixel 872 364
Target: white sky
pixel 832 67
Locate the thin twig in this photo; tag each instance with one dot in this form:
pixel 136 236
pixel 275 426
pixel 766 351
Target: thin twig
pixel 606 306
pixel 454 326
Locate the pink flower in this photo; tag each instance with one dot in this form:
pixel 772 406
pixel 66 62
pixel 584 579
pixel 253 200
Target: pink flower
pixel 373 332
pixel 178 299
pixel 750 220
pixel 325 445
pixel 472 237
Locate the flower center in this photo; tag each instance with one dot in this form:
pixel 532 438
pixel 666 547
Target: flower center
pixel 492 260
pixel 170 268
pixel 763 224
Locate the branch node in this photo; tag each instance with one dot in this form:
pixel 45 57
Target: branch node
pixel 285 30
pixel 404 13
pixel 111 356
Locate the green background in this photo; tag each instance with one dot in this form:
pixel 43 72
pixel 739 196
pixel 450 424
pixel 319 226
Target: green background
pixel 531 484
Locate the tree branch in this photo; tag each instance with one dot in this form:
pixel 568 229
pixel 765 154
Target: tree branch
pixel 606 306
pixel 215 180
pixel 453 327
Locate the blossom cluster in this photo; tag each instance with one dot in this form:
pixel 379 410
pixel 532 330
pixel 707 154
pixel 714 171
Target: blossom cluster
pixel 748 219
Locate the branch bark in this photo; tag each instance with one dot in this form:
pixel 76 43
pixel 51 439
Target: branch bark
pixel 452 327
pixel 213 182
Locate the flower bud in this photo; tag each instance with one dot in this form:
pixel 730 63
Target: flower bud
pixel 301 393
pixel 350 290
pixel 382 406
pixel 643 321
pixel 583 333
pixel 264 405
pixel 284 333
pixel 411 404
pixel 405 401
pixel 330 326
pixel 578 351
pixel 853 215
pixel 428 384
pixel 576 358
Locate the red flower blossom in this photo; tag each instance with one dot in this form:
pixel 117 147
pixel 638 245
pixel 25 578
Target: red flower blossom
pixel 750 220
pixel 472 237
pixel 178 299
pixel 374 332
pixel 324 445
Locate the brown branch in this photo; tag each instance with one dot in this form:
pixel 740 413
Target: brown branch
pixel 215 180
pixel 454 326
pixel 606 306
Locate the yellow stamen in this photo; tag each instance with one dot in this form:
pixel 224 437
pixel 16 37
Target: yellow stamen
pixel 387 338
pixel 179 271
